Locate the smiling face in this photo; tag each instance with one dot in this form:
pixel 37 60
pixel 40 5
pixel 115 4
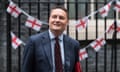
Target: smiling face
pixel 58 21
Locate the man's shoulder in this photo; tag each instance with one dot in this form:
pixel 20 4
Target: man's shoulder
pixel 71 39
pixel 39 35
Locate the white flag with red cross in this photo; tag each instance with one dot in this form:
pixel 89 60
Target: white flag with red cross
pixel 98 43
pixel 14 10
pixel 104 10
pixel 117 6
pixel 83 54
pixel 118 28
pixel 33 23
pixel 82 23
pixel 15 41
pixel 111 29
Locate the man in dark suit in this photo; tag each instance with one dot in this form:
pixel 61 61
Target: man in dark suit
pixel 52 51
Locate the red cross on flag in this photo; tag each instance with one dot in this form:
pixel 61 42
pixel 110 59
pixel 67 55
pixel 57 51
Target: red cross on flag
pixel 33 23
pixel 104 10
pixel 82 54
pixel 98 43
pixel 82 23
pixel 111 29
pixel 118 28
pixel 117 6
pixel 15 41
pixel 14 10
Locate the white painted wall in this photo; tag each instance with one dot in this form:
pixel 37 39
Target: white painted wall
pixel 91 29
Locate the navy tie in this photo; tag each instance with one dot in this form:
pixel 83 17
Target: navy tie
pixel 58 59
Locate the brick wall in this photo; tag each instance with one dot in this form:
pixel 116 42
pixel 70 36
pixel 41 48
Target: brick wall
pixel 2 37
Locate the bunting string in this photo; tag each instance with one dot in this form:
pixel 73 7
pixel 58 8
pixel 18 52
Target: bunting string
pixel 35 24
pixel 25 13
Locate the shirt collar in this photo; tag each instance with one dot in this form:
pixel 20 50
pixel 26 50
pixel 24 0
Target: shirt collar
pixel 52 36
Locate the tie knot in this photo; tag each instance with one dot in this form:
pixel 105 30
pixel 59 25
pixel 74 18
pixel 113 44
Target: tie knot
pixel 56 38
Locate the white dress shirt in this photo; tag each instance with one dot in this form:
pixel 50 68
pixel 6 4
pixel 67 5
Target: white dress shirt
pixel 52 38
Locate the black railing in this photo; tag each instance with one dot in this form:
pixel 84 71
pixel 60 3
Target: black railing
pixel 107 60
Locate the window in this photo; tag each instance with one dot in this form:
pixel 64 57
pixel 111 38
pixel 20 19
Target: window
pixel 82 8
pixel 78 8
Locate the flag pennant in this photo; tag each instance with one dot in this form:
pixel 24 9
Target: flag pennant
pixel 98 43
pixel 118 28
pixel 82 54
pixel 82 23
pixel 111 29
pixel 117 6
pixel 14 10
pixel 104 10
pixel 15 41
pixel 33 23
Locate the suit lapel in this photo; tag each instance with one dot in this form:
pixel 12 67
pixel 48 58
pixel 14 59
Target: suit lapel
pixel 48 52
pixel 47 47
pixel 67 53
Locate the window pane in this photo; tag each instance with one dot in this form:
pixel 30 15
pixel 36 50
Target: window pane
pixel 71 11
pixel 102 0
pixel 82 8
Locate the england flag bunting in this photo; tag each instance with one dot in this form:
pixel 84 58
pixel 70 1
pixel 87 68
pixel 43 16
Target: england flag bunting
pixel 117 6
pixel 15 41
pixel 82 23
pixel 83 54
pixel 33 23
pixel 118 28
pixel 96 45
pixel 104 10
pixel 14 10
pixel 111 28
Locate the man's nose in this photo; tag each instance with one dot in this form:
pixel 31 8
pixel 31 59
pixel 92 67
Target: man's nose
pixel 57 19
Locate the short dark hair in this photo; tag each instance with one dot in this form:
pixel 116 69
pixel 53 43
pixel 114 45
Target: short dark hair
pixel 60 7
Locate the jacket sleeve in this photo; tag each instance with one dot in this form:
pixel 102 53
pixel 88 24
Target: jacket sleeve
pixel 28 57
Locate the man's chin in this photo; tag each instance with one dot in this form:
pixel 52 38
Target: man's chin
pixel 57 30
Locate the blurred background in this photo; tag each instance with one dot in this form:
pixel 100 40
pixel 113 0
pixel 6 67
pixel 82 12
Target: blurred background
pixel 105 60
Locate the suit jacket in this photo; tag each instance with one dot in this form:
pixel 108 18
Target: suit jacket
pixel 37 55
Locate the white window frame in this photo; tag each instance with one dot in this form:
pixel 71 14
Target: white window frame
pixel 91 26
